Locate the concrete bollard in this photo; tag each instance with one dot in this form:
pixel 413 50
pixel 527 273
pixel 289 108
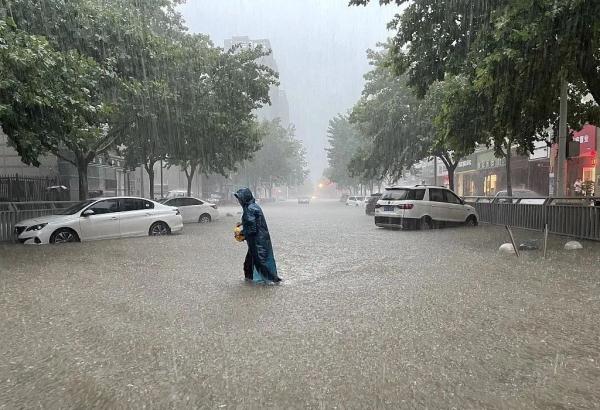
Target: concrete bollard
pixel 573 245
pixel 507 248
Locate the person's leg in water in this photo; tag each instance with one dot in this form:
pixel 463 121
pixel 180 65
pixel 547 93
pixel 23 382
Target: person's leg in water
pixel 248 266
pixel 261 268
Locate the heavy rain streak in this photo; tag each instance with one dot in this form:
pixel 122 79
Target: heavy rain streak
pixel 299 204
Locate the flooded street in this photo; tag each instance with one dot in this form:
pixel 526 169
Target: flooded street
pixel 365 318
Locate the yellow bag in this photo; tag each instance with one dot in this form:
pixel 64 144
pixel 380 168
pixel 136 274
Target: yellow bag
pixel 238 233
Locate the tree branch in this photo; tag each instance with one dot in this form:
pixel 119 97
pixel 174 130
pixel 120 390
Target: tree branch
pixel 60 156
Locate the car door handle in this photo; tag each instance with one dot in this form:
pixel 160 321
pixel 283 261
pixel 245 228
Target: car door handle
pixel 148 214
pixel 114 218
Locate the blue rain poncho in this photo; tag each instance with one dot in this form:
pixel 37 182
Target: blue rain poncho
pixel 260 250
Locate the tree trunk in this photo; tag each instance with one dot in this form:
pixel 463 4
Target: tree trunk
pixel 150 170
pixel 82 174
pixel 451 178
pixel 450 164
pixel 508 172
pixel 190 177
pixel 189 185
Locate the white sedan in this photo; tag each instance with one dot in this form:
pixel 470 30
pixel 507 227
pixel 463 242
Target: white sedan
pixel 355 201
pixel 194 209
pixel 103 218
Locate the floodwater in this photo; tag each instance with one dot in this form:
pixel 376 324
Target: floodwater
pixel 366 318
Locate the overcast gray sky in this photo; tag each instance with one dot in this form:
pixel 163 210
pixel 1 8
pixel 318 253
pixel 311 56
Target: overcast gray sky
pixel 319 46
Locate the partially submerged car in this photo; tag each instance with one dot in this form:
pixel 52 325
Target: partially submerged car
pixel 194 209
pixel 422 207
pixel 104 218
pixel 521 196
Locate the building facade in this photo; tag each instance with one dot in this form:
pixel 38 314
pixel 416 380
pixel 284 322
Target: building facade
pixel 279 107
pixel 106 174
pixel 466 176
pixel 584 166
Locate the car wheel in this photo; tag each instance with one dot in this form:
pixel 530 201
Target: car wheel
pixel 471 221
pixel 159 229
pixel 425 223
pixel 64 235
pixel 204 219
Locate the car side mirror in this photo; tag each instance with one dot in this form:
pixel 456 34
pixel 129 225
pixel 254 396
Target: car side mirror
pixel 88 212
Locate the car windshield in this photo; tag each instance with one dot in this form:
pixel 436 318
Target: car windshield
pixel 75 208
pixel 399 194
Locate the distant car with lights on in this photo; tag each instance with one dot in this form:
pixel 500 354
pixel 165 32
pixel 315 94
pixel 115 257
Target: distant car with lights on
pixel 102 218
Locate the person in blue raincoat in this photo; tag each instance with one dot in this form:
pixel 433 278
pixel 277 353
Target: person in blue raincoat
pixel 259 265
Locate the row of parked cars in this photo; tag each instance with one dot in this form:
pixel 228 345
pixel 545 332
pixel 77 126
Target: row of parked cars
pixel 419 206
pixel 117 217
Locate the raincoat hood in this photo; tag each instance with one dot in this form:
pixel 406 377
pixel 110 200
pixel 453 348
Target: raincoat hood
pixel 245 197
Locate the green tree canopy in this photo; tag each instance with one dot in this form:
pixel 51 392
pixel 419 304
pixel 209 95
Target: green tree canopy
pixel 279 161
pixel 513 55
pixel 385 116
pixel 344 144
pixel 100 73
pixel 53 101
pixel 400 130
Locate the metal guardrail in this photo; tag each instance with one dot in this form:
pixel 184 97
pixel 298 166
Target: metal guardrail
pixel 13 212
pixel 575 217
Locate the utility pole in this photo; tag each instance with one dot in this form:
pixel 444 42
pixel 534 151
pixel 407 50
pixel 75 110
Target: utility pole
pixel 435 171
pixel 561 158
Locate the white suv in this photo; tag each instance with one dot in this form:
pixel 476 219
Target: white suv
pixel 355 201
pixel 422 207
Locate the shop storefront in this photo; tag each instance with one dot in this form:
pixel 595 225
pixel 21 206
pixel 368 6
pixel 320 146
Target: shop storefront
pixel 465 177
pixel 539 169
pixel 583 167
pixel 491 175
pixel 538 176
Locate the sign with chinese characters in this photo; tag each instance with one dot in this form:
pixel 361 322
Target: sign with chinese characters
pixel 587 140
pixel 467 164
pixel 487 160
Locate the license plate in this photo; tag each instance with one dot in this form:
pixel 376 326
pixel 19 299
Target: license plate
pixel 388 208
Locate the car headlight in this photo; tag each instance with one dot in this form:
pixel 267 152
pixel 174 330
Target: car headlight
pixel 36 227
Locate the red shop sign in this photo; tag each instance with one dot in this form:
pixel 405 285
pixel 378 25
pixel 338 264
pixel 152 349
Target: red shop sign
pixel 587 140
